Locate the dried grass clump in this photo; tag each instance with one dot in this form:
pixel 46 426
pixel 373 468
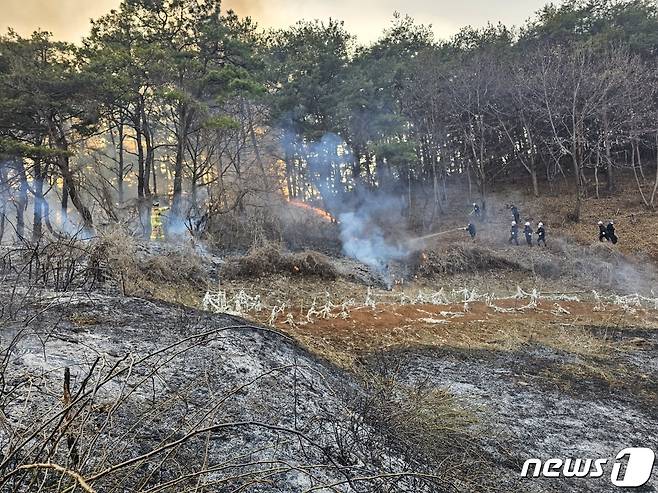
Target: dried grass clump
pixel 275 221
pixel 548 268
pixel 271 258
pixel 460 259
pixel 179 265
pixel 172 274
pixel 423 423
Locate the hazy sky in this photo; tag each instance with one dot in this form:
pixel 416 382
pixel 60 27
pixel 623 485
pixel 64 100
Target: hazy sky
pixel 68 19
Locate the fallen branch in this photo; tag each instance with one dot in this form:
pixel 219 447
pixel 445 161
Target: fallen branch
pixel 56 467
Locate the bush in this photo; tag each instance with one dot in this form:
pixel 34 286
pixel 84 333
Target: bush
pixel 169 273
pixel 271 258
pixel 460 259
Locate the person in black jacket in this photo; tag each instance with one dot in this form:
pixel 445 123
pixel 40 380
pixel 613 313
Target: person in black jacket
pixel 471 230
pixel 527 230
pixel 476 210
pixel 541 234
pixel 603 233
pixel 515 214
pixel 514 233
pixel 612 236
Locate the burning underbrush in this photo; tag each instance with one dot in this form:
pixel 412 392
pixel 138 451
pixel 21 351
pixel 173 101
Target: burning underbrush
pixel 294 224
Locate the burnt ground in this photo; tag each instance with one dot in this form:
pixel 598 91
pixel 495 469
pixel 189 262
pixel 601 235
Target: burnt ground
pixel 271 416
pixel 538 402
pixel 398 393
pixel 168 398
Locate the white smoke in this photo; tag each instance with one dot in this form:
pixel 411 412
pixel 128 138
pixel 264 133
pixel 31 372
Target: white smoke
pixel 373 228
pixel 365 240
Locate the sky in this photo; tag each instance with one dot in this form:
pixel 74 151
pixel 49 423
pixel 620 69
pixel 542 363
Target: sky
pixel 69 19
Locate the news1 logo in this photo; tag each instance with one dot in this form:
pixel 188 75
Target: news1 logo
pixel 632 467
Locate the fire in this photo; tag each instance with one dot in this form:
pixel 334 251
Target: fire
pixel 321 213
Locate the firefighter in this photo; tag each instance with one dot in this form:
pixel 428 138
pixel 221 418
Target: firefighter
pixel 603 232
pixel 476 210
pixel 527 231
pixel 514 233
pixel 157 231
pixel 610 230
pixel 515 214
pixel 541 234
pixel 471 230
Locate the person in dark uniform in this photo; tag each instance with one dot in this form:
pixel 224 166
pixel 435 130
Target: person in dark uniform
pixel 603 232
pixel 527 231
pixel 514 233
pixel 515 214
pixel 471 230
pixel 541 234
pixel 612 236
pixel 476 210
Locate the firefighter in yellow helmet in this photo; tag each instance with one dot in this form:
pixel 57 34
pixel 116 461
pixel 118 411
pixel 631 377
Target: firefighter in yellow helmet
pixel 157 231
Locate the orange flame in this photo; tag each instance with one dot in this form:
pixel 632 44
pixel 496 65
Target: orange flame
pixel 321 213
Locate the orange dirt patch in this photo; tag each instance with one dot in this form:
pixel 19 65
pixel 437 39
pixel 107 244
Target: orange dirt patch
pixel 345 335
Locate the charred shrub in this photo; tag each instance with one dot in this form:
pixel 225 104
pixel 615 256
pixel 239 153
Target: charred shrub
pixel 461 259
pixel 272 258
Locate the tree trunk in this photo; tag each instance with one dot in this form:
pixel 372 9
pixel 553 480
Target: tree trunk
pixel 637 178
pixel 577 174
pixel 21 200
pixel 638 158
pixel 655 183
pixel 137 121
pixel 144 209
pixel 64 205
pixel 69 184
pixel 596 170
pixel 4 198
pixel 37 221
pixel 292 193
pixel 535 183
pixel 182 132
pixel 356 165
pixel 254 144
pixel 150 155
pixel 120 171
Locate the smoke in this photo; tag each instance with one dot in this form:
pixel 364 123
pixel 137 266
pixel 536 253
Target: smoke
pixel 598 266
pixel 373 227
pixel 373 233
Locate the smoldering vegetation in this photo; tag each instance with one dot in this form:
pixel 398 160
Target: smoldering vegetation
pixel 271 258
pixel 124 263
pixel 591 267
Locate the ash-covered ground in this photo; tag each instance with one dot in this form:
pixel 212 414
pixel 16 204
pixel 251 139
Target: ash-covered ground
pixel 445 383
pixel 537 402
pixel 165 398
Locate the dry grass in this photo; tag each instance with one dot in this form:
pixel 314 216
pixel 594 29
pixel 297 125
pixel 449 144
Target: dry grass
pixel 463 259
pixel 175 275
pixel 271 258
pixel 601 375
pixel 422 422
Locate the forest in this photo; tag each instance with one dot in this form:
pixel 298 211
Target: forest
pixel 182 103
